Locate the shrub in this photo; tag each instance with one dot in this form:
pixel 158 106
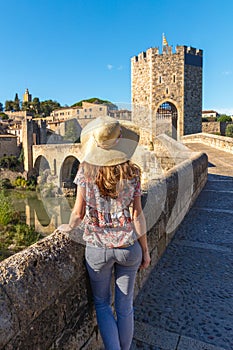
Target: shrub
pixel 25 235
pixel 4 116
pixel 229 130
pixel 14 238
pixel 9 162
pixel 20 182
pixel 224 118
pixel 5 183
pixel 7 214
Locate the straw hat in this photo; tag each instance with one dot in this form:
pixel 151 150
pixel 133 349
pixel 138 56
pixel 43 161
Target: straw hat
pixel 107 141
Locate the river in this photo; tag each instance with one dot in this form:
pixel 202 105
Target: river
pixel 44 214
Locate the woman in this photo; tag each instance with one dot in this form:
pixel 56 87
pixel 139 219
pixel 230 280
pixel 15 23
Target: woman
pixel 109 200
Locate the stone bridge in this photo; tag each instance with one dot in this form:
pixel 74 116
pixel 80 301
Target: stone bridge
pixel 186 302
pixel 61 159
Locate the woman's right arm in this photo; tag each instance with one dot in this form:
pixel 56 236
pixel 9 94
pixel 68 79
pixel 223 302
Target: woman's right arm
pixel 79 209
pixel 140 227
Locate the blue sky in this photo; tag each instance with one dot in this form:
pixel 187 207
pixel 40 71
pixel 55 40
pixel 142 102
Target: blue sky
pixel 68 50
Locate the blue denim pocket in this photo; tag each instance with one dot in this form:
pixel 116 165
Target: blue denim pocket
pixel 96 257
pixel 131 255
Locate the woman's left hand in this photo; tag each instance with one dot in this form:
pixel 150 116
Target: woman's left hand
pixel 64 228
pixel 145 260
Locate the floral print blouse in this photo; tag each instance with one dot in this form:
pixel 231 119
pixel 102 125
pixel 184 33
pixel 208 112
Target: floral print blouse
pixel 108 221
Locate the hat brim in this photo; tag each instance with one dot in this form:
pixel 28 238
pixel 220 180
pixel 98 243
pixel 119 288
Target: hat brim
pixel 121 152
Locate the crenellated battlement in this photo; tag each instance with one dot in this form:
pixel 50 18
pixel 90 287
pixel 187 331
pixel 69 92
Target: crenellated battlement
pixel 142 56
pixel 193 51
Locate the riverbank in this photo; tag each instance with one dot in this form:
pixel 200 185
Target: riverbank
pixel 15 234
pixel 11 175
pixel 38 216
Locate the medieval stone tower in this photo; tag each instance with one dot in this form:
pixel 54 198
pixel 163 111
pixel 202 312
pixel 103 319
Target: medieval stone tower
pixel 166 90
pixel 27 97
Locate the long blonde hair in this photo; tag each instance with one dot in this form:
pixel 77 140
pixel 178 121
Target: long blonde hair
pixel 111 179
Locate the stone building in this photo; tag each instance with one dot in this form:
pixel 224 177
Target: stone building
pixel 124 114
pixel 20 115
pixel 166 90
pixel 84 114
pixel 210 114
pixel 8 145
pixel 63 113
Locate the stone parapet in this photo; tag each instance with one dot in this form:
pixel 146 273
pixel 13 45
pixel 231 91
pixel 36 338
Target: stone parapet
pixel 215 127
pixel 45 296
pixel 220 142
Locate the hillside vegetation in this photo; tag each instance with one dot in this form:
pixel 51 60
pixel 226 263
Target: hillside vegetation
pixel 95 100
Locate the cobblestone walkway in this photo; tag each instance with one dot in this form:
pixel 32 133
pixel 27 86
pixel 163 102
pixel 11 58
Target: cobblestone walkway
pixel 187 302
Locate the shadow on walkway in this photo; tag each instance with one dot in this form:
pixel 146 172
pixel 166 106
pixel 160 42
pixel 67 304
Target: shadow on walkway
pixel 187 302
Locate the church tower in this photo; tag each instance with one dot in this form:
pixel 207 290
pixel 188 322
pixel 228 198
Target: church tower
pixel 166 90
pixel 27 97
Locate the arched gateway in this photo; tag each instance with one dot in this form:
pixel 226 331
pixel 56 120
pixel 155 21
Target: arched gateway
pixel 166 119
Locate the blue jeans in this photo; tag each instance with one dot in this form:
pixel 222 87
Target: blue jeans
pixel 117 334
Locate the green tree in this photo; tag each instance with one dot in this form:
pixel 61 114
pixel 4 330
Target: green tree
pixel 229 130
pixel 224 118
pixel 48 106
pixel 1 107
pixel 3 116
pixel 16 104
pixel 95 100
pixel 9 105
pixel 26 106
pixel 35 105
pixel 9 162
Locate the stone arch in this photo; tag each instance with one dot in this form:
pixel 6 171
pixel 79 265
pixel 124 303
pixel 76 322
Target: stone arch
pixel 41 164
pixel 68 171
pixel 167 118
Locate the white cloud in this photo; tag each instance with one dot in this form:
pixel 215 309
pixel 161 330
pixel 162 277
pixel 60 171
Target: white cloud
pixel 111 67
pixel 220 110
pixel 227 72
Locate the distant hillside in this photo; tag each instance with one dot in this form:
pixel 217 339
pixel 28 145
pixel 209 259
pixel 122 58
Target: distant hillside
pixel 95 100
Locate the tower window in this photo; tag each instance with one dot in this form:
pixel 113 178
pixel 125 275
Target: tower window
pixel 167 90
pixel 160 79
pixel 174 78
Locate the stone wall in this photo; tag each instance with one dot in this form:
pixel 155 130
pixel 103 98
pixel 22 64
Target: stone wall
pixel 221 142
pixel 192 99
pixel 45 298
pixel 215 127
pixel 8 146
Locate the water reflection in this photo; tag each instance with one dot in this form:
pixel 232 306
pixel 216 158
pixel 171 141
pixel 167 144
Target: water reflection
pixel 45 214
